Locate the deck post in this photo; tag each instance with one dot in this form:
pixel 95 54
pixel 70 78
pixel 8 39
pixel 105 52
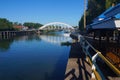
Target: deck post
pixel 99 37
pixel 107 35
pixel 118 37
pixel 93 35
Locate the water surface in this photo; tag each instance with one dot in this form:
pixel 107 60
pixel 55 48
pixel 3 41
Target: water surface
pixel 33 57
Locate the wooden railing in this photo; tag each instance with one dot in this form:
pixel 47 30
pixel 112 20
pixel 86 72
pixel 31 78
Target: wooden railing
pixel 91 55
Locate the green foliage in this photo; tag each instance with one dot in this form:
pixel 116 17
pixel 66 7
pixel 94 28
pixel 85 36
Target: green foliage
pixel 95 8
pixel 110 2
pixel 81 25
pixel 31 25
pixel 5 24
pixel 17 24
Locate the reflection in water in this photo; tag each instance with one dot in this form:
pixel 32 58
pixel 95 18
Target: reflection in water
pixel 34 57
pixel 55 39
pixel 66 43
pixel 27 38
pixel 5 44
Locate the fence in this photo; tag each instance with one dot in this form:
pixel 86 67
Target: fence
pixel 91 55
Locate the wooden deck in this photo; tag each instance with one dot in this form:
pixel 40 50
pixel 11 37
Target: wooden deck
pixel 79 69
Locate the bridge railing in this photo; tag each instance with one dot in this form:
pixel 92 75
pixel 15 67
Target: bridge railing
pixel 91 55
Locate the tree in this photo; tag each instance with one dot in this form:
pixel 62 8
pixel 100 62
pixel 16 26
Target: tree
pixel 110 2
pixel 31 25
pixel 17 24
pixel 5 24
pixel 84 14
pixel 81 25
pixel 94 9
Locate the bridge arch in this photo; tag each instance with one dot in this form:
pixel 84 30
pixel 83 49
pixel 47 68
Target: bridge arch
pixel 56 25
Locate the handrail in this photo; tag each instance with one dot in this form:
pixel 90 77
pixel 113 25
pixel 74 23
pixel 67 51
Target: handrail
pixel 97 75
pixel 85 46
pixel 110 65
pixel 92 58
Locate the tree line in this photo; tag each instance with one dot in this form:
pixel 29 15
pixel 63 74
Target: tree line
pixel 6 25
pixel 32 25
pixel 94 9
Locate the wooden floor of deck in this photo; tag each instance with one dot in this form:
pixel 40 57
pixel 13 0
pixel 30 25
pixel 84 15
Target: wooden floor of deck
pixel 78 68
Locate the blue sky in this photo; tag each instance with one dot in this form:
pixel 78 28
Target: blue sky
pixel 42 11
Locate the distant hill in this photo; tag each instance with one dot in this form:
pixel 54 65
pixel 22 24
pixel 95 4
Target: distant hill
pixel 95 8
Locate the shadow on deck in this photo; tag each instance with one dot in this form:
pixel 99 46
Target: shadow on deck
pixel 77 68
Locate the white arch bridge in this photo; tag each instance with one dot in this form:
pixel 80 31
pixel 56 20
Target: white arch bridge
pixel 57 26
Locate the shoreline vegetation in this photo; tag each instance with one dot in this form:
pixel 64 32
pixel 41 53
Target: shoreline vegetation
pixel 6 25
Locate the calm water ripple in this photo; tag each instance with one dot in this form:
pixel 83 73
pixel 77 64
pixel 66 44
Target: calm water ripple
pixel 35 57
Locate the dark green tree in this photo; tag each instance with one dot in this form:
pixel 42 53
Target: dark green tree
pixel 110 2
pixel 81 25
pixel 5 24
pixel 32 25
pixel 17 24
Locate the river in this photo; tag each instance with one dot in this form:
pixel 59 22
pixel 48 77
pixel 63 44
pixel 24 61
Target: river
pixel 34 57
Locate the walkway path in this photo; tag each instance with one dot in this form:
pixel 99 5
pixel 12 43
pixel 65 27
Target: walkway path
pixel 77 68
